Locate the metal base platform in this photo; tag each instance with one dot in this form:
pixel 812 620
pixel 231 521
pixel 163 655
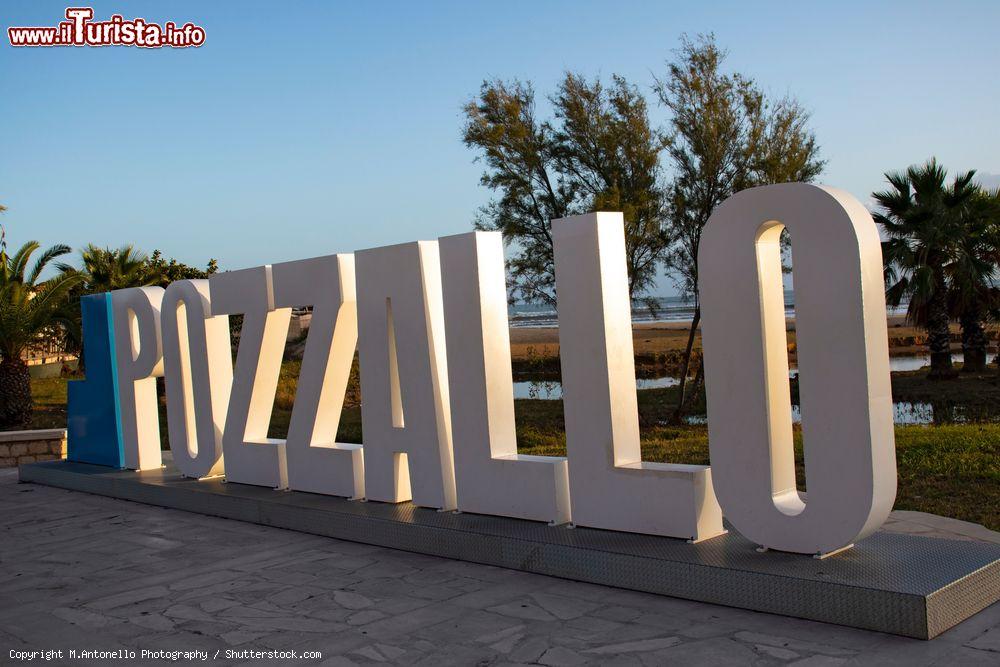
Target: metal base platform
pixel 900 584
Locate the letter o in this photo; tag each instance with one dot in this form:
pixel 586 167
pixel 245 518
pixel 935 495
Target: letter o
pixel 843 358
pixel 199 376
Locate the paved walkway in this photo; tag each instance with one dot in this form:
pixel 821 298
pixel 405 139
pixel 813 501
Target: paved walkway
pixel 85 572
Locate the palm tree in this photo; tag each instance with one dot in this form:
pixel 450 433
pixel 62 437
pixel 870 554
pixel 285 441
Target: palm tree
pixel 107 269
pixel 29 308
pixel 103 270
pixel 971 273
pixel 923 218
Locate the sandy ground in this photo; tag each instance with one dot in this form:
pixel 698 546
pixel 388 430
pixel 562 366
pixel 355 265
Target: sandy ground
pixel 664 337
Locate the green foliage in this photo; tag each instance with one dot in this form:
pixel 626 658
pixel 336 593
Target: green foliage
pixel 598 153
pixel 977 253
pixel 609 152
pixel 973 296
pixel 518 151
pixel 30 311
pixel 101 270
pixel 30 308
pixel 166 271
pixel 107 269
pixel 940 250
pixel 725 135
pixel 921 215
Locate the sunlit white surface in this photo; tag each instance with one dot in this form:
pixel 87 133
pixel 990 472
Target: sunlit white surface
pixel 610 485
pixel 842 350
pixel 406 412
pixel 198 370
pixel 491 477
pixel 139 357
pixel 316 461
pixel 250 456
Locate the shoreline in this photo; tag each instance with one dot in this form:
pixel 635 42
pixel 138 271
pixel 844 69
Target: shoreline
pixel 659 339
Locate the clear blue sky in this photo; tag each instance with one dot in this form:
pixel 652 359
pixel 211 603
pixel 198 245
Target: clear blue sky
pixel 304 128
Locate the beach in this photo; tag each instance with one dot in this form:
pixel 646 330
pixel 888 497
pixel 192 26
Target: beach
pixel 669 338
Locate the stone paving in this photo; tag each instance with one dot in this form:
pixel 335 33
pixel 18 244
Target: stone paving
pixel 85 572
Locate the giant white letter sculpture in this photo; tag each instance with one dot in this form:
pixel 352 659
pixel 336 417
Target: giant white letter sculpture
pixel 139 358
pixel 198 369
pixel 492 478
pixel 843 367
pixel 316 462
pixel 405 411
pixel 250 456
pixel 610 485
pixel 421 393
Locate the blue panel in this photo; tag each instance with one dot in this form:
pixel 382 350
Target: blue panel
pixel 94 432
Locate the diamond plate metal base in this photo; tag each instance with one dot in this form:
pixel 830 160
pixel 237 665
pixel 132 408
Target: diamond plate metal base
pixel 901 584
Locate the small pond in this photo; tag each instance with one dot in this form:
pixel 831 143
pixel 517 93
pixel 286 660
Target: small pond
pixel 905 412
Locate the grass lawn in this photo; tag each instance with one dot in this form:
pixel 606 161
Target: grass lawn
pixel 951 470
pixel 50 403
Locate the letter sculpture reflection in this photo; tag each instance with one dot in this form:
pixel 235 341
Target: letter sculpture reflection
pixel 610 485
pixel 843 362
